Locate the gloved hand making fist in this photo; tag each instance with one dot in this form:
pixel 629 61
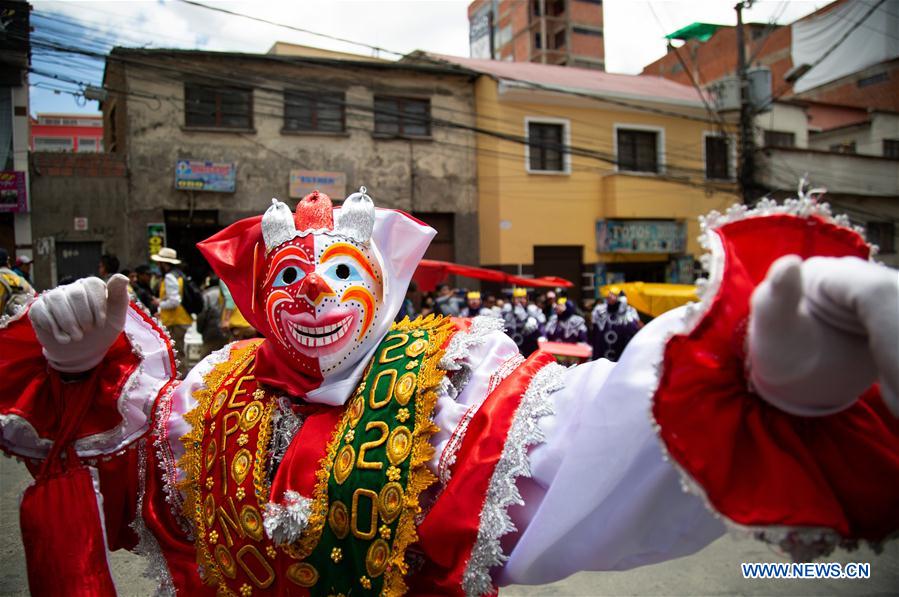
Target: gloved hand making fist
pixel 823 330
pixel 76 324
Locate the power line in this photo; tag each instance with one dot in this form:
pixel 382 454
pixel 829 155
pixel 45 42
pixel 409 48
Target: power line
pixel 670 150
pixel 229 79
pixel 423 56
pixel 291 27
pixel 713 117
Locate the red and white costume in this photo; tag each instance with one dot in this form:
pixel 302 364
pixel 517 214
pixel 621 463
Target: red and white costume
pixel 541 471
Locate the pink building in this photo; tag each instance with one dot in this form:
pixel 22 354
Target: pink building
pixel 81 133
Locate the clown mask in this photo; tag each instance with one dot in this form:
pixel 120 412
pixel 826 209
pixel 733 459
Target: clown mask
pixel 323 287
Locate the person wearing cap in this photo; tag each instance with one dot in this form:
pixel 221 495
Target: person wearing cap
pixel 23 267
pixel 614 323
pixel 474 306
pixel 143 288
pixel 15 290
pixel 172 313
pixel 565 325
pixel 524 321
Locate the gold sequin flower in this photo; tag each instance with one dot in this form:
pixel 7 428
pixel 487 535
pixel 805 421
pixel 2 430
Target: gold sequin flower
pixel 385 532
pixel 365 582
pixel 393 473
pixel 209 482
pixel 213 536
pixel 270 552
pixel 349 436
pixel 417 334
pixel 246 590
pixel 259 394
pixel 361 388
pixel 336 554
pixel 411 364
pixel 402 415
pixel 242 439
pixel 241 493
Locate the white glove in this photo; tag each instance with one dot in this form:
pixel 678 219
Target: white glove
pixel 530 326
pixel 76 324
pixel 823 330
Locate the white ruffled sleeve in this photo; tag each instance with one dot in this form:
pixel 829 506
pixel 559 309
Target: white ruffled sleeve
pixel 601 495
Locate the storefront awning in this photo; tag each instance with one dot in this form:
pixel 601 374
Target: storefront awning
pixel 431 273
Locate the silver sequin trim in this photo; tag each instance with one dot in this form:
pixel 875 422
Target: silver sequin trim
pixel 284 523
pixel 285 425
pixel 462 342
pixel 147 545
pixel 502 492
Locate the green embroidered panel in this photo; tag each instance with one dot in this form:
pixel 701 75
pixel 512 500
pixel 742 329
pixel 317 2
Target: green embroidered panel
pixel 377 468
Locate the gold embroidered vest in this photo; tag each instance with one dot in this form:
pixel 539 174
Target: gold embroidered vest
pixel 363 510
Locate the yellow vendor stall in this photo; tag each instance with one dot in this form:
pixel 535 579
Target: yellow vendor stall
pixel 654 299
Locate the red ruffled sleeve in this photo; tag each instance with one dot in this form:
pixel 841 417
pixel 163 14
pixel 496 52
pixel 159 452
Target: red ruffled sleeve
pixel 806 484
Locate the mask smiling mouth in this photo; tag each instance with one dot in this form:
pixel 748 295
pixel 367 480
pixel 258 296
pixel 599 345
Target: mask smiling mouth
pixel 323 335
pixel 308 334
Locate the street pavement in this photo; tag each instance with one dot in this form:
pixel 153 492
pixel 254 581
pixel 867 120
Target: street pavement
pixel 713 571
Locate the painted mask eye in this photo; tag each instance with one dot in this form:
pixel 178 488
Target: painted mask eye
pixel 343 272
pixel 287 276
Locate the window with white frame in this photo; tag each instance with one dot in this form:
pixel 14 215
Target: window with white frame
pixel 546 146
pixel 638 149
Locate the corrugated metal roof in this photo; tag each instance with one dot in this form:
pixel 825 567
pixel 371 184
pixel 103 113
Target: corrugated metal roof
pixel 593 82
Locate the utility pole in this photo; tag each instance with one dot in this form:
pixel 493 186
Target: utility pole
pixel 747 134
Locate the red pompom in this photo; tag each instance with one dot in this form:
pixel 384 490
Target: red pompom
pixel 315 212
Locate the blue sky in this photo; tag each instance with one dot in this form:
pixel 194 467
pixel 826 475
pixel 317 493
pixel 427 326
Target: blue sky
pixel 634 31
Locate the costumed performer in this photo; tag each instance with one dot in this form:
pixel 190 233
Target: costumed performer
pixel 343 454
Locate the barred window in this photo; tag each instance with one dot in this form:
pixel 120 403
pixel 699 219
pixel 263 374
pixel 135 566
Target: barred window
pixel 546 149
pixel 314 112
pixel 402 116
pixel 638 150
pixel 218 107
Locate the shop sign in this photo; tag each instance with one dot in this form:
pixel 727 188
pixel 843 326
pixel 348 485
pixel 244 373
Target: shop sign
pixel 80 224
pixel 13 196
pixel 303 182
pixel 640 236
pixel 155 237
pixel 197 175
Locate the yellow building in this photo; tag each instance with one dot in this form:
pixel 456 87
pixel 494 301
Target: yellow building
pixel 582 171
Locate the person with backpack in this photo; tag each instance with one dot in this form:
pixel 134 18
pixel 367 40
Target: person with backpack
pixel 173 312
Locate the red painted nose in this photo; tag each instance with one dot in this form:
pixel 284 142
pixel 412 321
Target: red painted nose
pixel 315 288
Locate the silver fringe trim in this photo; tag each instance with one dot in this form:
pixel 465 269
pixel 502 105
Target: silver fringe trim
pixel 502 492
pixel 284 523
pixel 147 545
pixel 461 343
pixel 800 543
pixel 285 425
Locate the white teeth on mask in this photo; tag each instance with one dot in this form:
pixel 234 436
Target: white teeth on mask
pixel 314 337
